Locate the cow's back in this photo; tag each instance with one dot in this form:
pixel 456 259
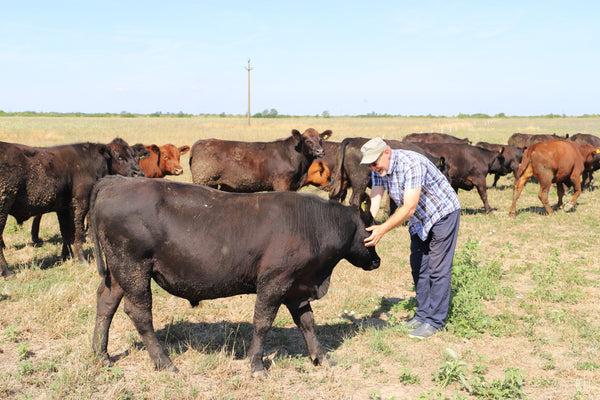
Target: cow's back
pixel 232 165
pixel 433 137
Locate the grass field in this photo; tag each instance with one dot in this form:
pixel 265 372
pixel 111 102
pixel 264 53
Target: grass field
pixel 524 319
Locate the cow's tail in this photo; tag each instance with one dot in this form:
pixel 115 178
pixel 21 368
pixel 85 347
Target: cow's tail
pixel 525 161
pixel 98 255
pixel 336 184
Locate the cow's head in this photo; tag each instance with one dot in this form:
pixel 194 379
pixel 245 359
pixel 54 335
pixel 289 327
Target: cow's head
pixel 123 159
pixel 310 142
pixel 592 158
pixel 169 158
pixel 359 254
pixel 444 168
pixel 499 164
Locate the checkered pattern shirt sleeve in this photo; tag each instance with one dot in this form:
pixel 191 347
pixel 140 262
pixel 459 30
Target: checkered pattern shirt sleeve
pixel 410 170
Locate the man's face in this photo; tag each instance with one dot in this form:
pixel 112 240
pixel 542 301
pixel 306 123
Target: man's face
pixel 382 163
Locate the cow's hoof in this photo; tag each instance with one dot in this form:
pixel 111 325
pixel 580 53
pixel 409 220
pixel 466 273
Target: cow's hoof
pixel 7 273
pixel 167 368
pixel 512 214
pixel 260 374
pixel 568 207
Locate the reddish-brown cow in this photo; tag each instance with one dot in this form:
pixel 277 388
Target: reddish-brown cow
pixel 561 162
pixel 163 160
pixel 319 172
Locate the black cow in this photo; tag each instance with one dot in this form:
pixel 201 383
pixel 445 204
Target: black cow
pixel 38 180
pixel 199 243
pixel 434 137
pixel 469 166
pixel 592 140
pixel 140 152
pixel 350 173
pixel 525 140
pixel 512 154
pixel 235 166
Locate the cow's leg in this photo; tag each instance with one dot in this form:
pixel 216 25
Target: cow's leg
pixel 138 306
pixel 35 229
pixel 518 188
pixel 4 271
pixel 560 191
pixel 80 208
pixel 482 190
pixel 5 206
pixel 265 311
pixel 106 305
pixel 303 317
pixel 576 181
pixel 543 194
pixel 496 177
pixel 65 223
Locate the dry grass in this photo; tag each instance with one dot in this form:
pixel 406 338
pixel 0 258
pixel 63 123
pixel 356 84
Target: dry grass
pixel 549 292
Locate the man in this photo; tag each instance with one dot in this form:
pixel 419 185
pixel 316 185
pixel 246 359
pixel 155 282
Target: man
pixel 425 199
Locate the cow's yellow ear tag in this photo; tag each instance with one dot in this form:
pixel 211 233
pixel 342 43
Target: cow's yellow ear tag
pixel 363 206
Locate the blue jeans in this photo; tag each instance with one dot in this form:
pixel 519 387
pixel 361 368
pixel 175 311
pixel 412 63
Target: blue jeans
pixel 431 264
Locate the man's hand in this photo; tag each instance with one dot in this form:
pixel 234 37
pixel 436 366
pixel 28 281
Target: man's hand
pixel 377 232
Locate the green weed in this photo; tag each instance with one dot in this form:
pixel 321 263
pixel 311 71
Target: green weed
pixel 472 283
pixel 452 370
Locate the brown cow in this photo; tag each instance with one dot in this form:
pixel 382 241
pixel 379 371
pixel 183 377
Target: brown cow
pixel 163 160
pixel 434 137
pixel 561 162
pixel 525 139
pixel 235 166
pixel 319 172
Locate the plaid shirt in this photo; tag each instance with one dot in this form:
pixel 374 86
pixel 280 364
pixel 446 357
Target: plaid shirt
pixel 410 170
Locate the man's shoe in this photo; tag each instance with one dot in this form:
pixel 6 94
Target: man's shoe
pixel 423 332
pixel 413 324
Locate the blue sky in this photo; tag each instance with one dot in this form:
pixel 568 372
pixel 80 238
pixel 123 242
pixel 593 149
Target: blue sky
pixel 344 57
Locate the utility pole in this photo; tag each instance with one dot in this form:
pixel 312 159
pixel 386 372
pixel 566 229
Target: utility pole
pixel 248 69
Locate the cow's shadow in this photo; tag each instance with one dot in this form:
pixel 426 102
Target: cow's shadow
pixel 535 210
pixel 476 211
pixel 234 338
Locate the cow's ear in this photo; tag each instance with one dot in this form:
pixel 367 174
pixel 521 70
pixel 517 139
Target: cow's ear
pixel 104 150
pixel 326 134
pixel 365 208
pixel 184 149
pixel 155 149
pixel 321 167
pixel 297 135
pixel 140 151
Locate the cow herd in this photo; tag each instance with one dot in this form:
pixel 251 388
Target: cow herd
pixel 217 237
